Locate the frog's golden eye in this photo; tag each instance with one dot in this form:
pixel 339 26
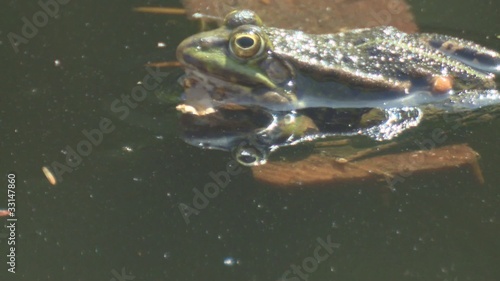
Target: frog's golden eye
pixel 246 45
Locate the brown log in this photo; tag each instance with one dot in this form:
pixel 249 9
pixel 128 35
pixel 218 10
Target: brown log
pixel 312 16
pixel 323 170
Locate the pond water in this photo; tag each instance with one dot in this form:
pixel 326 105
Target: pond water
pixel 115 212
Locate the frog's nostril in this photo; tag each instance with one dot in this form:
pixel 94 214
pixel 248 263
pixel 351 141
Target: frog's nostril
pixel 204 44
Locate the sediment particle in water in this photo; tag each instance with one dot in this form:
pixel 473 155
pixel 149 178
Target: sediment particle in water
pixel 48 174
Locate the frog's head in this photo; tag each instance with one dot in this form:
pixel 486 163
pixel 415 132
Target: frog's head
pixel 238 54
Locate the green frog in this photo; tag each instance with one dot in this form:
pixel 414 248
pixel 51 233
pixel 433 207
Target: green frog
pixel 291 75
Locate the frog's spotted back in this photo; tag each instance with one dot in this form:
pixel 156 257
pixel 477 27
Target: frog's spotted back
pixel 467 52
pixel 385 58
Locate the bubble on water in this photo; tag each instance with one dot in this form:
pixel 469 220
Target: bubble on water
pixel 166 255
pixel 230 261
pixel 127 148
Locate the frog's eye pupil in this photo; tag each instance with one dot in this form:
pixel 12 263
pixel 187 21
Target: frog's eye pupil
pixel 246 45
pixel 245 42
pixel 247 160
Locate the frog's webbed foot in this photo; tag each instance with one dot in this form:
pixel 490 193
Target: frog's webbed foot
pixel 469 53
pixel 396 121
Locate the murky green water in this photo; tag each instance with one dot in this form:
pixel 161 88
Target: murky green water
pixel 115 215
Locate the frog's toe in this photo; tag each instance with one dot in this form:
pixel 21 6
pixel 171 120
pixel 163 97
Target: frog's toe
pixel 467 52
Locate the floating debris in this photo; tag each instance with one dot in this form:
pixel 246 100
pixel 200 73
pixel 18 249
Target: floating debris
pixel 4 213
pixel 49 175
pixel 160 10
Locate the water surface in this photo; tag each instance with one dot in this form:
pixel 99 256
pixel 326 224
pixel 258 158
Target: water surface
pixel 117 211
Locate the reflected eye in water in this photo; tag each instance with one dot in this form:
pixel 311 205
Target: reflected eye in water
pixel 289 119
pixel 249 155
pixel 246 45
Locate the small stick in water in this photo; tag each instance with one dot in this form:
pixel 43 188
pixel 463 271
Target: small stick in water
pixel 164 64
pixel 161 10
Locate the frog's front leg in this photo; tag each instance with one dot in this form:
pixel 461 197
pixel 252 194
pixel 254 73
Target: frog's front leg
pixel 468 52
